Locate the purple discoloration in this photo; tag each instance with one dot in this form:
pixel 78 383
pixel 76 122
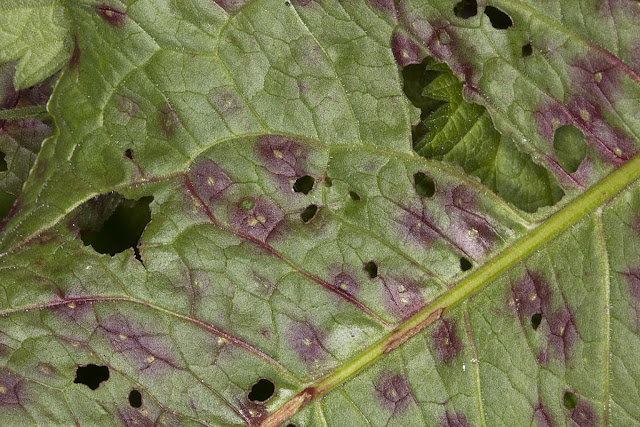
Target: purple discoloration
pixel 169 120
pixel 9 388
pixel 74 312
pixel 255 217
pixel 133 417
pixel 445 341
pixel 253 412
pixel 453 419
pixel 301 2
pixel 230 6
pixel 110 15
pixel 75 56
pixel 284 158
pixel 471 232
pixel 541 416
pixel 583 414
pixel 402 296
pixel 306 343
pixel 149 350
pixel 394 392
pixel 405 50
pixel 532 295
pixel 384 6
pixel 209 181
pixel 346 283
pixel 417 227
pixel 633 278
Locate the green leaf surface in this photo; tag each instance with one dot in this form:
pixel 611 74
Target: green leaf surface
pixel 239 219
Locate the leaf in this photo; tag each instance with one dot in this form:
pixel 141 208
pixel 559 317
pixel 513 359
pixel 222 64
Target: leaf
pixel 299 262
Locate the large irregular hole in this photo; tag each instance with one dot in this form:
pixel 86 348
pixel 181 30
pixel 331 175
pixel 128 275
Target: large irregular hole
pixel 304 184
pixel 262 390
pixel 424 184
pixel 111 223
pixel 91 375
pixel 135 398
pixel 570 400
pixel 527 50
pixel 372 269
pixel 465 9
pixel 465 264
pixel 309 213
pixel 570 147
pixel 535 320
pixel 354 196
pixel 499 19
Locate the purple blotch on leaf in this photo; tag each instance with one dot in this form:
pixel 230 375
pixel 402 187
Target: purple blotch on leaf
pixel 394 392
pixel 110 15
pixel 253 412
pixel 9 388
pixel 256 217
pixel 405 50
pixel 445 341
pixel 346 283
pixel 305 342
pixel 541 416
pixel 134 417
pixel 453 419
pixel 384 6
pixel 402 295
pixel 284 158
pixel 209 181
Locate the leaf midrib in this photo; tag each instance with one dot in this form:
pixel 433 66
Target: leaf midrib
pixel 585 204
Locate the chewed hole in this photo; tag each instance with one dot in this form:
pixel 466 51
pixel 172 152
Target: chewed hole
pixel 3 162
pixel 291 425
pixel 91 375
pixel 527 50
pixel 328 182
pixel 535 320
pixel 424 184
pixel 304 184
pixel 570 400
pixel 128 153
pixel 308 213
pixel 111 224
pixel 354 196
pixel 135 398
pixel 465 264
pixel 499 19
pixel 570 147
pixel 372 269
pixel 465 9
pixel 262 390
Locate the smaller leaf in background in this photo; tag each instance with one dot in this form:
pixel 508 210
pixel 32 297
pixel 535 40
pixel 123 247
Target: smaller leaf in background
pixel 38 34
pixel 456 131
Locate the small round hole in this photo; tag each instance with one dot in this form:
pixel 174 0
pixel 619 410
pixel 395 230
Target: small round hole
pixel 499 19
pixel 308 213
pixel 424 184
pixel 304 184
pixel 372 269
pixel 465 264
pixel 354 196
pixel 128 153
pixel 535 320
pixel 466 9
pixel 527 50
pixel 135 398
pixel 328 182
pixel 262 390
pixel 569 400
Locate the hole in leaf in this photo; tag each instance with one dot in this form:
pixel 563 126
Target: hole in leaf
pixel 128 153
pixel 569 400
pixel 6 202
pixel 262 390
pixel 465 264
pixel 354 196
pixel 3 162
pixel 111 224
pixel 424 184
pixel 328 182
pixel 291 425
pixel 465 9
pixel 499 19
pixel 309 212
pixel 304 184
pixel 535 320
pixel 372 269
pixel 570 147
pixel 91 375
pixel 527 50
pixel 135 398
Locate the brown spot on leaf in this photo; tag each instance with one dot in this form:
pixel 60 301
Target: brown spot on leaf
pixel 346 283
pixel 112 16
pixel 453 419
pixel 394 392
pixel 445 341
